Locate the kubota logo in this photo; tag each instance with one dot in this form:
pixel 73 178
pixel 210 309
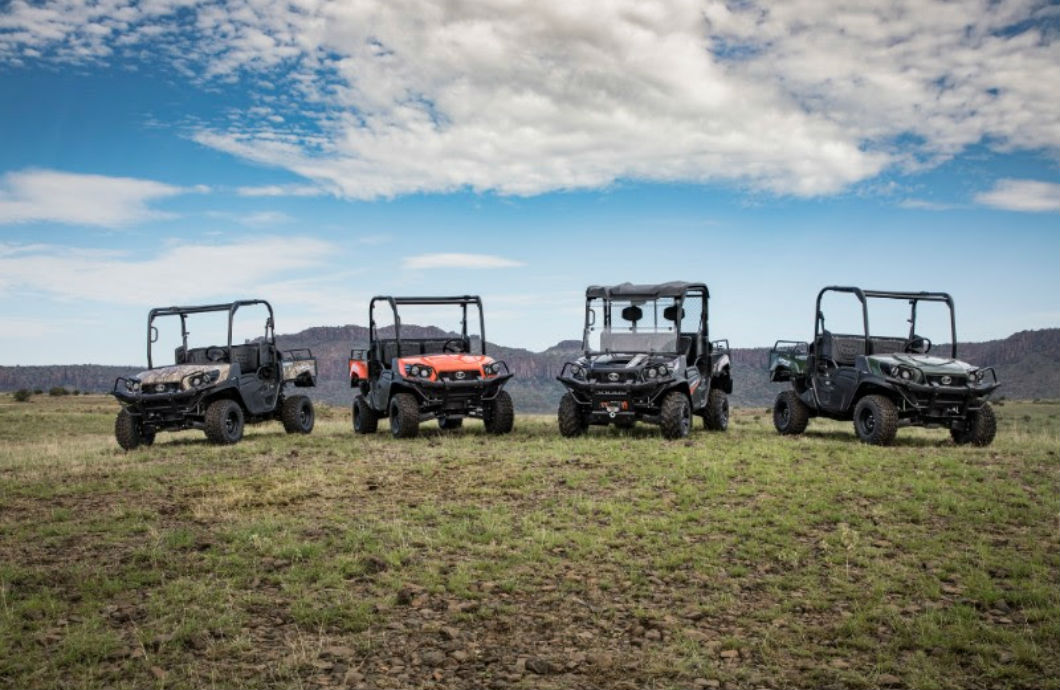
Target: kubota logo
pixel 459 374
pixel 946 380
pixel 613 376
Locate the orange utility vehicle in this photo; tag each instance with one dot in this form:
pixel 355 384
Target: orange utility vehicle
pixel 411 380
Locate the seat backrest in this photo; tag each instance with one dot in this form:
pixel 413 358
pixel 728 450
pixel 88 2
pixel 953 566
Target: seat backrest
pixel 885 345
pixel 846 348
pixel 686 346
pixel 246 356
pixel 388 350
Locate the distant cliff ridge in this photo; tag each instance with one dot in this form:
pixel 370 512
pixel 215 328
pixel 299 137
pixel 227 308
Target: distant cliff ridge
pixel 1027 363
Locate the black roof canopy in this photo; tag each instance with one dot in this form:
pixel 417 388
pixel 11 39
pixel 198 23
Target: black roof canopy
pixel 675 288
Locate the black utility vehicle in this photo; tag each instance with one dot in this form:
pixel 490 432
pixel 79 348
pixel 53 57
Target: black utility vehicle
pixel 882 382
pixel 647 357
pixel 411 380
pixel 217 388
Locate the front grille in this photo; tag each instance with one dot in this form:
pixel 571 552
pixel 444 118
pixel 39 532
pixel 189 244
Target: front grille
pixel 463 375
pixel 149 388
pixel 613 377
pixel 947 380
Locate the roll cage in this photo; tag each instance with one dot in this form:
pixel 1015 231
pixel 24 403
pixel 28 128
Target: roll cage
pixel 864 295
pixel 679 291
pixel 184 312
pixel 463 301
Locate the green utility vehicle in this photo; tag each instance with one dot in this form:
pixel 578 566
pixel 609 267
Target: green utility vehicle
pixel 882 382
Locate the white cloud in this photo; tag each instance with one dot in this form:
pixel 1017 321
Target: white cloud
pixel 49 195
pixel 260 218
pixel 925 205
pixel 280 190
pixel 178 273
pixel 425 261
pixel 1022 195
pixel 804 97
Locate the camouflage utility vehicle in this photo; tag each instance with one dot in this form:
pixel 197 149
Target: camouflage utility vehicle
pixel 217 388
pixel 882 382
pixel 647 357
pixel 411 380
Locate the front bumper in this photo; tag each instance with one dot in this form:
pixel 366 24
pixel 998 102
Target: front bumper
pixel 635 400
pixel 458 396
pixel 938 402
pixel 166 410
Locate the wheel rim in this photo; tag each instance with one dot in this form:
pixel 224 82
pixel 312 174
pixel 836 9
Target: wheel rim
pixel 230 423
pixel 784 413
pixel 724 416
pixel 868 421
pixel 686 419
pixel 303 416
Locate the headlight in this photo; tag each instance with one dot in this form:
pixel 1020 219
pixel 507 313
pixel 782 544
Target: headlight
pixel 132 385
pixel 906 374
pixel 196 381
pixel 577 372
pixel 976 376
pixel 657 371
pixel 418 371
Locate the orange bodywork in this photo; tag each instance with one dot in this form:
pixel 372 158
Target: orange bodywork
pixel 438 363
pixel 358 370
pixel 446 363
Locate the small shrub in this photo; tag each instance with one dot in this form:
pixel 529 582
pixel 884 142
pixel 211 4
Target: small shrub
pixel 38 391
pixel 58 390
pixel 22 395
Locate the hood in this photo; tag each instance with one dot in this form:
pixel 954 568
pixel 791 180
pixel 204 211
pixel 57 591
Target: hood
pixel 929 364
pixel 178 372
pixel 448 362
pixel 623 361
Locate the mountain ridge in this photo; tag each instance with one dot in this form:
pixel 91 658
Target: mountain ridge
pixel 1027 363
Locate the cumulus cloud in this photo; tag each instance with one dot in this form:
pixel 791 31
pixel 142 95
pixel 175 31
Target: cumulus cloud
pixel 190 272
pixel 1022 195
pixel 49 195
pixel 386 97
pixel 425 261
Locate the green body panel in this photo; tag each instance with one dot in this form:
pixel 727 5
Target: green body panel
pixel 928 364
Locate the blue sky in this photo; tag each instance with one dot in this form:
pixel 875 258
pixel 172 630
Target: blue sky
pixel 316 153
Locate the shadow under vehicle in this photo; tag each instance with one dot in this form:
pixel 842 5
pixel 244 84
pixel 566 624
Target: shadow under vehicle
pixel 412 380
pixel 216 388
pixel 882 382
pixel 649 359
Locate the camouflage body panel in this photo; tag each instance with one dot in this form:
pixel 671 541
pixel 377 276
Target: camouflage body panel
pixel 181 373
pixel 299 369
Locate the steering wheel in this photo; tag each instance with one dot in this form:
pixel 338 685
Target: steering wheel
pixel 453 346
pixel 215 354
pixel 918 345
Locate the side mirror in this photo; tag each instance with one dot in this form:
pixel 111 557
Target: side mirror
pixel 154 334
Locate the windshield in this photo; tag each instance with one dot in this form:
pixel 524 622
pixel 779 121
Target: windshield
pixel 631 325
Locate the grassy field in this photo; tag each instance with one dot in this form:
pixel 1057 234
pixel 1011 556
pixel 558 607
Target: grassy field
pixel 617 560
